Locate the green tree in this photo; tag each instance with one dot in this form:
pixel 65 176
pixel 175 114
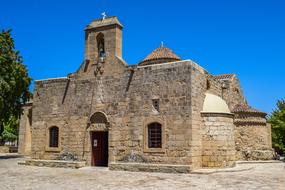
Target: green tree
pixel 277 120
pixel 14 83
pixel 10 132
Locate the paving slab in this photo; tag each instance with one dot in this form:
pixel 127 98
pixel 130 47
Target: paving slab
pixel 18 177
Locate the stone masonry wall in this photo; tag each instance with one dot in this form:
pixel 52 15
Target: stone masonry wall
pixel 198 89
pixel 232 93
pixel 215 86
pixel 218 140
pixel 127 101
pixel 252 137
pixel 253 143
pixel 170 84
pixel 61 103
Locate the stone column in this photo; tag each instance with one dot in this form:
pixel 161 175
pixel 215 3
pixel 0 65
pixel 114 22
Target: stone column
pixel 25 139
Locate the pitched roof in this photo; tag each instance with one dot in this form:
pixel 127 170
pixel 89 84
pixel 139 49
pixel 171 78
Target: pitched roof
pixel 104 22
pixel 160 54
pixel 242 108
pixel 224 76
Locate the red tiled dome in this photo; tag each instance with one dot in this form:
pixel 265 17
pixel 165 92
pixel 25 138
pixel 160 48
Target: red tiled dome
pixel 160 55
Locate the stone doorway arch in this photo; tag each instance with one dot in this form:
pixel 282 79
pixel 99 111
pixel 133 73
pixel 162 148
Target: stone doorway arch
pixel 99 136
pixel 99 122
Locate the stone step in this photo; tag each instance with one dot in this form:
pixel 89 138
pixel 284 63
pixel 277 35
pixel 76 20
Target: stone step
pixel 53 163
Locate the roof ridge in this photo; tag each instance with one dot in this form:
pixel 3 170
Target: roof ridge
pixel 245 108
pixel 224 76
pixel 112 20
pixel 99 19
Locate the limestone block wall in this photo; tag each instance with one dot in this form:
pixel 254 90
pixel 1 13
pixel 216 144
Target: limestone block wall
pixel 53 107
pixel 49 97
pixel 252 137
pixel 233 93
pixel 126 99
pixel 218 140
pixel 253 142
pixel 170 84
pixel 198 89
pixel 68 104
pixel 215 86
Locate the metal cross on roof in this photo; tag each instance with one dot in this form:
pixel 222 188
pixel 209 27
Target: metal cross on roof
pixel 103 15
pixel 161 44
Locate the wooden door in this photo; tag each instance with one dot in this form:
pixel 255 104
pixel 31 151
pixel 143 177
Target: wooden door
pixel 99 143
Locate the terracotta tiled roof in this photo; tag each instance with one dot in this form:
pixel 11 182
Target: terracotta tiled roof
pixel 224 76
pixel 162 53
pixel 245 109
pixel 246 115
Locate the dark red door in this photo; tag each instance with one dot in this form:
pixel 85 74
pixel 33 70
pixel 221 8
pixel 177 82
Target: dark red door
pixel 99 145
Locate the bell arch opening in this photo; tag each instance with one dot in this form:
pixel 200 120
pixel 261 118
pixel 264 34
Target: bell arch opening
pixel 101 47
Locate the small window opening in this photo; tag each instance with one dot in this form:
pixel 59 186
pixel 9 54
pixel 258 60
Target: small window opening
pixel 208 85
pixel 224 85
pixel 155 104
pixel 237 90
pixel 53 137
pixel 87 61
pixel 154 135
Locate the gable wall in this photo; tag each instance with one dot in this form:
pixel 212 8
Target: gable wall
pixel 127 102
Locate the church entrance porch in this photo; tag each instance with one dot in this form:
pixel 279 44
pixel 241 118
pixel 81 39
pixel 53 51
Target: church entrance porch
pixel 99 143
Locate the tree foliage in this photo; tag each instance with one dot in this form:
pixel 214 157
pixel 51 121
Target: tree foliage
pixel 14 82
pixel 277 120
pixel 10 132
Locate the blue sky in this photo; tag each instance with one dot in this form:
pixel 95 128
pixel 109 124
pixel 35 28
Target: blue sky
pixel 246 37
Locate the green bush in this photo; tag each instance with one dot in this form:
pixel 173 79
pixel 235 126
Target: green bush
pixel 10 133
pixel 277 120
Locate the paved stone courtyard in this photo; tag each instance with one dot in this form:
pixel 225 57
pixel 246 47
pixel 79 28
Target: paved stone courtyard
pixel 249 176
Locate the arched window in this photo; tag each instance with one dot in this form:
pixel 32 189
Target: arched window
pixel 98 117
pixel 154 135
pixel 53 137
pixel 101 47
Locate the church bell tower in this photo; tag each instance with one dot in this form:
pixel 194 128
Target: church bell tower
pixel 103 45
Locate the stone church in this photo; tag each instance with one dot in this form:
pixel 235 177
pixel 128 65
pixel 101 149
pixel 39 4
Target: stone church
pixel 164 114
